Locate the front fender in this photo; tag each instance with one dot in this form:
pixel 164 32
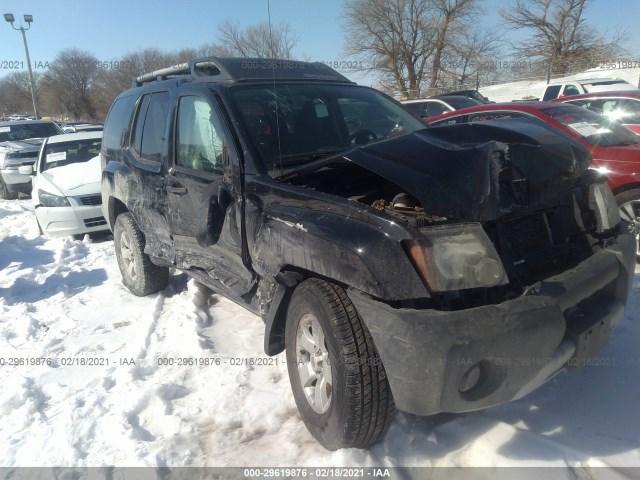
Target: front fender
pixel 337 247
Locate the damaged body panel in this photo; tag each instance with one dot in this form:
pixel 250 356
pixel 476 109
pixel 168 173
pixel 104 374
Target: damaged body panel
pixel 470 262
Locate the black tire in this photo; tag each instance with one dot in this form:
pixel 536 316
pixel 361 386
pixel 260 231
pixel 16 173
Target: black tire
pixel 139 274
pixel 78 236
pixel 360 408
pixel 629 203
pixel 5 193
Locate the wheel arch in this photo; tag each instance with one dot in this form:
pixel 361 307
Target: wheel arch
pixel 276 318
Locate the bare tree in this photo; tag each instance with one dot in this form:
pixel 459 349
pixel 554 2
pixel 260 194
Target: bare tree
pixel 450 14
pixel 15 93
pixel 560 39
pixel 471 58
pixel 70 80
pixel 406 41
pixel 394 38
pixel 260 40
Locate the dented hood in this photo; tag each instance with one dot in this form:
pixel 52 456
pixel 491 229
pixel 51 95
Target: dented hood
pixel 478 171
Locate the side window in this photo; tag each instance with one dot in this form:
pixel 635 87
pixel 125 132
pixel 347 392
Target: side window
pixel 118 121
pixel 631 109
pixel 149 129
pixel 136 142
pixel 198 136
pixel 435 108
pixel 155 124
pixel 413 108
pixel 570 90
pixel 552 92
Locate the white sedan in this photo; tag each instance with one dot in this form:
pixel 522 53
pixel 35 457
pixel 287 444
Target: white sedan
pixel 66 185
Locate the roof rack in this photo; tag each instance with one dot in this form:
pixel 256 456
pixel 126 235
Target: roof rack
pixel 233 70
pixel 182 69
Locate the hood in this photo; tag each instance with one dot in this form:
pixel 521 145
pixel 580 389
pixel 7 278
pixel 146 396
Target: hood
pixel 76 178
pixel 479 171
pixel 28 144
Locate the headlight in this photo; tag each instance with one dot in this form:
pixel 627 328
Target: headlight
pixel 50 200
pixel 12 159
pixel 604 206
pixel 456 257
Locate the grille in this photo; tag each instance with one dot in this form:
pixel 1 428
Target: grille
pixel 91 200
pixel 94 222
pixel 527 233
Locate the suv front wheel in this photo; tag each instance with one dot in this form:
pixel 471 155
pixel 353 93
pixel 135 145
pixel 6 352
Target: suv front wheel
pixel 629 203
pixel 139 274
pixel 338 380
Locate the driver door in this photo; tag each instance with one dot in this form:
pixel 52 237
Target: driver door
pixel 203 205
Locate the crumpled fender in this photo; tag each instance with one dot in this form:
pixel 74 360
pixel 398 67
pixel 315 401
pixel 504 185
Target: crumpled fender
pixel 338 247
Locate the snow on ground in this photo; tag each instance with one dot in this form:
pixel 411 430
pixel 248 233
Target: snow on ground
pixel 63 300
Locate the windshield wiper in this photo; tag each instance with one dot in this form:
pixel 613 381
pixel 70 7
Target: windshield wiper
pixel 311 162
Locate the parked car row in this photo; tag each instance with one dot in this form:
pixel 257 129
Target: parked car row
pixel 60 171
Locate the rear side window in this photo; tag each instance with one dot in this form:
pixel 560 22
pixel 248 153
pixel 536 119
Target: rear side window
pixel 118 121
pixel 570 90
pixel 150 126
pixel 552 92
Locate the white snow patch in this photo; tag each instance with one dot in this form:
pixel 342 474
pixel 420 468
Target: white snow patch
pixel 168 380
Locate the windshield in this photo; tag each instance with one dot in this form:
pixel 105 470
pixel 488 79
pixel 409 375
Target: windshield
pixel 593 128
pixel 317 120
pixel 22 131
pixel 65 153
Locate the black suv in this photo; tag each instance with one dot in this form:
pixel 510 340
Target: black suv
pixel 433 270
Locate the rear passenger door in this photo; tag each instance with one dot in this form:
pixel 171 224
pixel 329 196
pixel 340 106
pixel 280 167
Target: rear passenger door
pixel 147 147
pixel 203 206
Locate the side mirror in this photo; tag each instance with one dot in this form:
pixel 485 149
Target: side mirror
pixel 26 169
pixel 69 129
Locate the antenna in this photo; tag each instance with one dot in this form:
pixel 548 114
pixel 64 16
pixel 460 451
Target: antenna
pixel 275 94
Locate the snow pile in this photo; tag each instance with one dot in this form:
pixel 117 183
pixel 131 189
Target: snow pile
pixel 112 397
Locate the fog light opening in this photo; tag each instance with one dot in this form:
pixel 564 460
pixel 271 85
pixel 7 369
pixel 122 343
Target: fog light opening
pixel 471 379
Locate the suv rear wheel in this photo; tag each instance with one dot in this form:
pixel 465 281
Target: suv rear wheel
pixel 139 274
pixel 338 380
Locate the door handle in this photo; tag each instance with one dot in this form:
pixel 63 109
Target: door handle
pixel 176 190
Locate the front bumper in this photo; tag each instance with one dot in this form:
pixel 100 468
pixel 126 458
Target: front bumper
pixel 15 181
pixel 68 221
pixel 471 359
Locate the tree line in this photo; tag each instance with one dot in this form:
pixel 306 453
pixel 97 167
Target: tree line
pixel 413 48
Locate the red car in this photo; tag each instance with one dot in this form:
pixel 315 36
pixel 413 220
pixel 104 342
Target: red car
pixel 623 106
pixel 614 148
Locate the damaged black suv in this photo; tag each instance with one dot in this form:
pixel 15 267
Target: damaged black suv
pixel 430 270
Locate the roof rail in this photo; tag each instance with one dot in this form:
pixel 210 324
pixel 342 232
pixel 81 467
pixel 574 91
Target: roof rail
pixel 181 69
pixel 232 70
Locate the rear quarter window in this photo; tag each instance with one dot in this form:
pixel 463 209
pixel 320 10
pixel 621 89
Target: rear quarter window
pixel 118 121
